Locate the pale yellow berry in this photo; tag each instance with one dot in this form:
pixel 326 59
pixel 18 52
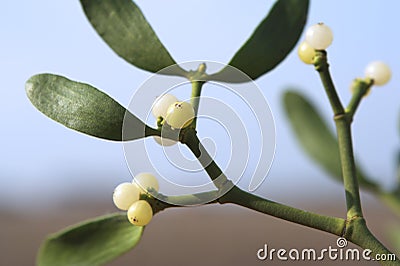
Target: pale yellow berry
pixel 146 182
pixel 180 115
pixel 319 36
pixel 379 72
pixel 125 194
pixel 161 104
pixel 140 213
pixel 306 53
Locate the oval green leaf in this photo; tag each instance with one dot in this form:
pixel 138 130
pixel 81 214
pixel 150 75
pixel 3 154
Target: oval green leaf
pixel 316 138
pixel 123 27
pixel 270 43
pixel 82 107
pixel 93 242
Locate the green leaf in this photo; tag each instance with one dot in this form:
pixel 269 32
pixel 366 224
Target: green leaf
pixel 82 107
pixel 92 242
pixel 393 233
pixel 123 27
pixel 398 125
pixel 391 199
pixel 316 138
pixel 397 161
pixel 270 43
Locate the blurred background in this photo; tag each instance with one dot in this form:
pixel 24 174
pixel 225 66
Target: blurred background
pixel 52 176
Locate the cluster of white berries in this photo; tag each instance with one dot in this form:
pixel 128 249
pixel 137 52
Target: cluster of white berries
pixel 126 197
pixel 320 36
pixel 176 113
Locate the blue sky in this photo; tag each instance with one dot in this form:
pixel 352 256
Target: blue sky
pixel 44 162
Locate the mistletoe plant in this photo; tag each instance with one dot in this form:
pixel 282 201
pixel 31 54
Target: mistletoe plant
pixel 86 109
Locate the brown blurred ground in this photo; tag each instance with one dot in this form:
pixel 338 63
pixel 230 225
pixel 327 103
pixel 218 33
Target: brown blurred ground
pixel 210 235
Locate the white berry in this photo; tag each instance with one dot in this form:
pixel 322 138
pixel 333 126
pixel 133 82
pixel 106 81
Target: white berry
pixel 165 141
pixel 146 181
pixel 319 36
pixel 125 194
pixel 379 72
pixel 140 213
pixel 306 53
pixel 180 115
pixel 161 104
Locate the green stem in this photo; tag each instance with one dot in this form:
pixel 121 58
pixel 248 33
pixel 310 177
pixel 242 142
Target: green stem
pixel 193 199
pixel 240 197
pixel 162 202
pixel 343 128
pixel 328 224
pixel 195 98
pixel 356 229
pixel 322 66
pixel 197 78
pixel 358 232
pixel 360 88
pixel 217 176
pixel 350 181
pixel 237 196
